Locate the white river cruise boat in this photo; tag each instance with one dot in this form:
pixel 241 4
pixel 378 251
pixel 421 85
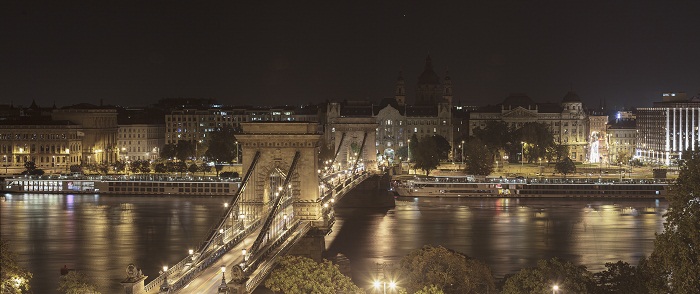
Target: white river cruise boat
pixel 162 185
pixel 470 186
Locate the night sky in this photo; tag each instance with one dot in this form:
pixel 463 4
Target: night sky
pixel 293 52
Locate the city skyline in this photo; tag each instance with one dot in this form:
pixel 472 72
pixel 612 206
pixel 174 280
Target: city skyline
pixel 134 53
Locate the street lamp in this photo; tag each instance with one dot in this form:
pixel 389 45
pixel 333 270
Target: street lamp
pixel 555 288
pixel 164 288
pixel 522 155
pixel 236 150
pixel 408 159
pixel 462 147
pixel 382 285
pixel 223 288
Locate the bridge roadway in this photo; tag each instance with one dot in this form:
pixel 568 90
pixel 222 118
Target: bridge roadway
pixel 206 275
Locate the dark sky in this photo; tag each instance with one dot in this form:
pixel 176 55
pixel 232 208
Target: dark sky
pixel 291 52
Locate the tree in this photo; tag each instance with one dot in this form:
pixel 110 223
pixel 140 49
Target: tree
pixel 402 152
pixel 557 152
pixel 296 274
pixel 13 277
pixel 76 283
pixel 193 168
pixel 565 166
pixel 567 276
pixel 31 169
pixel 145 166
pixel 623 157
pixel 496 135
pixel 218 168
pixel 450 271
pixel 76 168
pixel 184 150
pixel 160 168
pixel 443 147
pixel 205 168
pixel 620 277
pixel 135 166
pixel 432 289
pixel 103 168
pixel 677 249
pixel 425 156
pixel 168 151
pixel 30 166
pixel 538 139
pixel 180 167
pixel 478 158
pixel 119 166
pixel 170 167
pixel 222 145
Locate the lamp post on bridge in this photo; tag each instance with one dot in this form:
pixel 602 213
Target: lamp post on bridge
pixel 164 288
pixel 223 288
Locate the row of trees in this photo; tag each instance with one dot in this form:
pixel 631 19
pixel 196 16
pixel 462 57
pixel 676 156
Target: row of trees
pixel 533 141
pixel 220 147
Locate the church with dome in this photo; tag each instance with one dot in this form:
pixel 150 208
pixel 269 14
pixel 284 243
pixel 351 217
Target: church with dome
pixel 397 120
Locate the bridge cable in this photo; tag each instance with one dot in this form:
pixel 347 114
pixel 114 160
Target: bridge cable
pixel 340 145
pixel 275 207
pixel 232 203
pixel 359 154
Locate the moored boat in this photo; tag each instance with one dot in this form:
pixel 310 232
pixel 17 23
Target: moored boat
pixel 123 185
pixel 470 186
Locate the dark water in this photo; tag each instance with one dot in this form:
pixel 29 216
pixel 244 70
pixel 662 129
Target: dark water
pixel 101 235
pixel 507 234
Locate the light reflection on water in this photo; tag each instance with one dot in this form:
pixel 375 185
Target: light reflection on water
pixel 101 235
pixel 507 234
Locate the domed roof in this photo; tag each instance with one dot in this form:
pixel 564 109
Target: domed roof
pixel 428 77
pixel 571 97
pixel 518 99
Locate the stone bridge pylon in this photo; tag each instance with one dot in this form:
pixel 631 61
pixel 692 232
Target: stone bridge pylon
pixel 277 144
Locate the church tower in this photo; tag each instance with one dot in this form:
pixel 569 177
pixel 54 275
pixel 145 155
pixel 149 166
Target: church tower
pixel 429 86
pixel 447 88
pixel 400 92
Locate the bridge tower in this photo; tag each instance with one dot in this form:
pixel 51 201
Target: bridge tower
pixel 277 144
pixel 355 139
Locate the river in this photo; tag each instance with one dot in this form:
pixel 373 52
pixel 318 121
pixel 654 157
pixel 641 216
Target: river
pixel 101 235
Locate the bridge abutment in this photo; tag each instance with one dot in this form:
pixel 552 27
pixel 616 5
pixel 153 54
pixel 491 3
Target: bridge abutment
pixel 311 245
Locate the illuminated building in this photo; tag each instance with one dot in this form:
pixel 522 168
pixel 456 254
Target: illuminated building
pixel 668 128
pixel 567 120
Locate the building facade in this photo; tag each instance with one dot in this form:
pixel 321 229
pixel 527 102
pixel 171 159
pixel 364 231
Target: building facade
pixel 195 124
pixel 51 145
pixel 668 128
pixel 99 131
pixel 140 141
pixel 567 120
pixel 621 141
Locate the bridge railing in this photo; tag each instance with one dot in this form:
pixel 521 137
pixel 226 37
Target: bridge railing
pixel 299 230
pixel 180 279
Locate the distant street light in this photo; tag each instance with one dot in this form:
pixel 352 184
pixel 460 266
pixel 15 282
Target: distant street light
pixel 522 156
pixel 462 147
pixel 555 288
